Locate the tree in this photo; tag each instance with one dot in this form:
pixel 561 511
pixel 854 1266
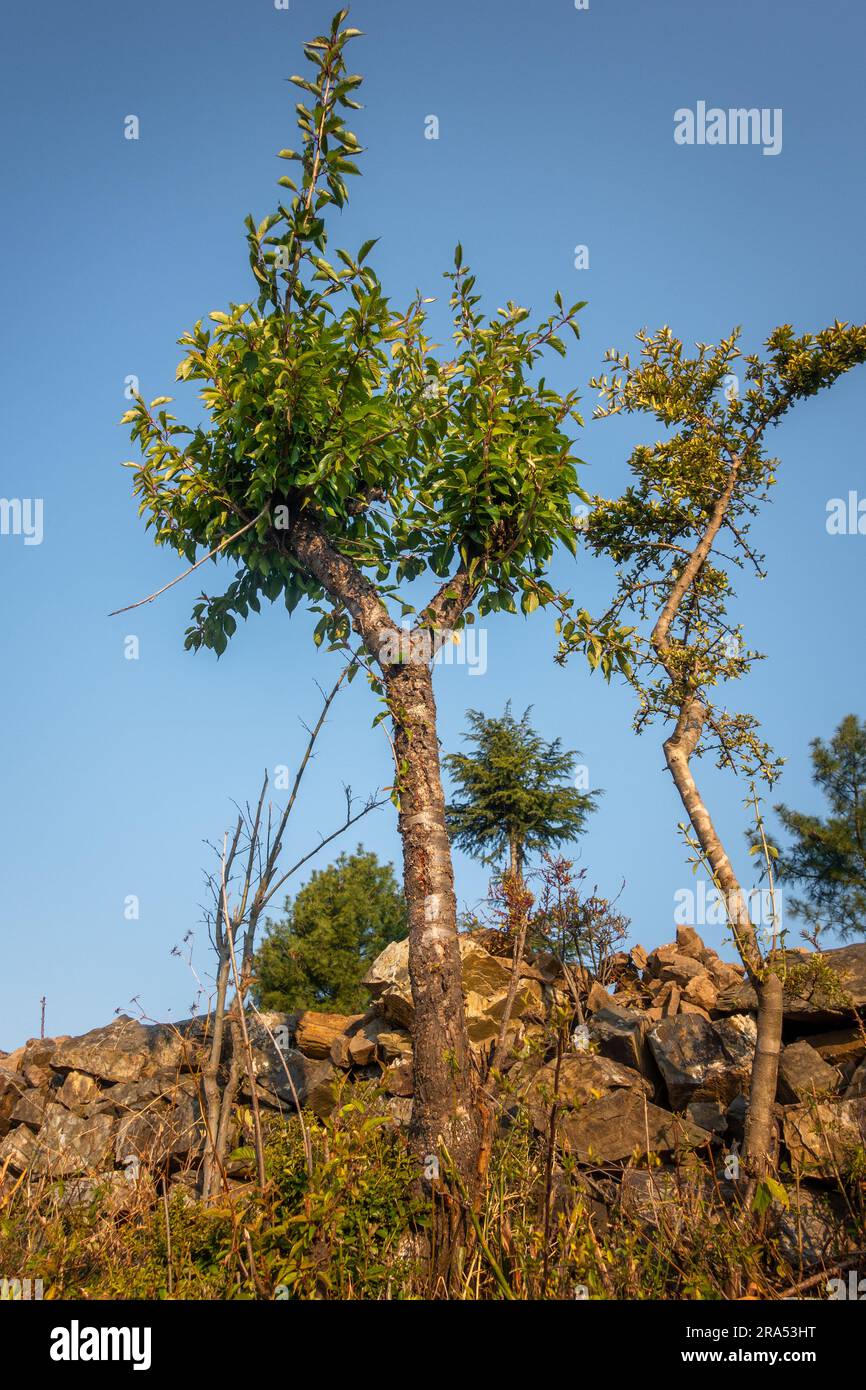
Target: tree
pixel 340 460
pixel 699 487
pixel 332 931
pixel 516 792
pixel 828 856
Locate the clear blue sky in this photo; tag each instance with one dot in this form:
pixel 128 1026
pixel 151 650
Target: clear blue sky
pixel 556 128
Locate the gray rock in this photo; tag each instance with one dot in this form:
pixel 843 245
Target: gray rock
pixel 625 1125
pixel 78 1090
pixel 583 1078
pixel 804 1073
pixel 127 1050
pixel 709 1115
pixel 621 1036
pixel 282 1074
pixel 68 1144
pixel 161 1133
pixel 12 1088
pixel 30 1109
pixel 818 997
pixel 704 1060
pixel 857 1085
pixel 826 1138
pixel 18 1149
pixel 810 1231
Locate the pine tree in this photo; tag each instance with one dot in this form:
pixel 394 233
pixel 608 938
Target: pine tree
pixel 828 856
pixel 516 792
pixel 316 957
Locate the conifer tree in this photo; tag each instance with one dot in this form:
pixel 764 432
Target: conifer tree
pixel 516 792
pixel 827 858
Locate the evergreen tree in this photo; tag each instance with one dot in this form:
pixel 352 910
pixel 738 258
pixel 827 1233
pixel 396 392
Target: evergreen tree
pixel 516 792
pixel 828 856
pixel 316 957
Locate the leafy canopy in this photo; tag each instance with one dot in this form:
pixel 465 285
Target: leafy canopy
pixel 514 789
pixel 322 400
pixel 316 957
pixel 710 469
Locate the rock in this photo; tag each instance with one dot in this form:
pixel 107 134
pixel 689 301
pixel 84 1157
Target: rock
pixel 825 1137
pixel 12 1088
pixel 638 957
pixel 810 1231
pixel 700 991
pixel 124 1097
pixel 18 1149
pixel 598 998
pixel 11 1061
pixel 161 1133
pixel 803 1073
pixel 30 1109
pixel 625 1125
pixel 659 957
pixel 37 1077
pixel 687 1008
pixel 393 1044
pixel 397 1080
pixel 709 1115
pixel 839 1048
pixel 127 1050
pixel 668 999
pixel 364 1043
pixel 78 1089
pixel 484 1012
pixel 388 977
pixel 67 1144
pixel 583 1077
pixel 282 1075
pixel 38 1052
pixel 736 1115
pixel 690 944
pixel 700 1060
pixel 322 1097
pixel 621 1035
pixel 316 1032
pixel 857 1085
pixel 723 975
pixel 824 994
pixel 681 970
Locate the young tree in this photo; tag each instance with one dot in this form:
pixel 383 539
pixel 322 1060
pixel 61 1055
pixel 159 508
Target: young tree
pixel 828 856
pixel 693 493
pixel 333 929
pixel 341 459
pixel 516 792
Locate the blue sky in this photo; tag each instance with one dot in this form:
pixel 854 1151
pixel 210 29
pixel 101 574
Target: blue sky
pixel 555 129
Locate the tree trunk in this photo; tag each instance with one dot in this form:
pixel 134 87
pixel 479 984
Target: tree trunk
pixel 444 1112
pixel 760 1127
pixel 515 857
pixel 762 1090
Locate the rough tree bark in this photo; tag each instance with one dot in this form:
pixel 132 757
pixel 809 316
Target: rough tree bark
pixel 445 1111
pixel 444 1107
